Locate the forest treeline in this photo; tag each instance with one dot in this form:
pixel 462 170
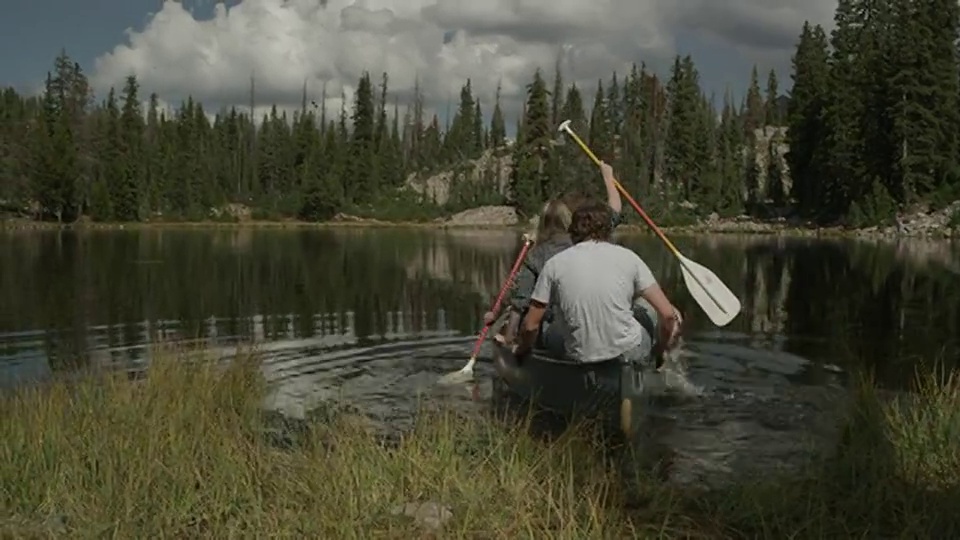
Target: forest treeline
pixel 870 128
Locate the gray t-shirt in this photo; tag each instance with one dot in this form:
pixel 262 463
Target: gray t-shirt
pixel 592 286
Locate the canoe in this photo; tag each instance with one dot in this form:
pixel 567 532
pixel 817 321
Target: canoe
pixel 609 391
pixel 606 391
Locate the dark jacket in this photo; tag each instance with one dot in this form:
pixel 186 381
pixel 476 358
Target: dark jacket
pixel 530 271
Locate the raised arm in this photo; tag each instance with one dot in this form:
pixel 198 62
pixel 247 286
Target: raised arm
pixel 613 194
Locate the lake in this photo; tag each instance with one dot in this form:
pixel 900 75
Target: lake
pixel 374 316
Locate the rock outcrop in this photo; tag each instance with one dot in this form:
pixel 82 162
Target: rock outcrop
pixel 485 216
pixel 494 166
pixel 923 223
pixel 772 180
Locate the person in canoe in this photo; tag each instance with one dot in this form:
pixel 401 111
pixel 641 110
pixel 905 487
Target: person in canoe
pixel 551 238
pixel 591 289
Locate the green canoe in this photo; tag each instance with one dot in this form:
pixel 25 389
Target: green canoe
pixel 609 391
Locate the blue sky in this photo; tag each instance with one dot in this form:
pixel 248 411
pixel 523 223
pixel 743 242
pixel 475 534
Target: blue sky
pixel 35 30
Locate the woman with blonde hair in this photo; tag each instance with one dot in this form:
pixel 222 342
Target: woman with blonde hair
pixel 551 238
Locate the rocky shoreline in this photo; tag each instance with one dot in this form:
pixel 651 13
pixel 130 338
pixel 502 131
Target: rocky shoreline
pixel 923 226
pixel 939 224
pixel 942 224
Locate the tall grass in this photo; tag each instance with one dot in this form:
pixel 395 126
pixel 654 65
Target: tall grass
pixel 183 453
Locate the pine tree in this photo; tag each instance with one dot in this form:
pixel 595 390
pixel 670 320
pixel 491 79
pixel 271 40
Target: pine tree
pixel 614 120
pixel 807 132
pixel 360 183
pixel 845 170
pixel 754 112
pixel 498 127
pixel 924 111
pixel 462 141
pixel 108 187
pixel 576 168
pixel 633 143
pixel 556 96
pixel 772 101
pixel 601 135
pixel 127 203
pixel 478 133
pixel 685 146
pixel 59 168
pixel 731 161
pixel 872 120
pixel 529 185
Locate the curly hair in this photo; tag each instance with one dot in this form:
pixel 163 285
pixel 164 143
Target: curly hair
pixel 593 220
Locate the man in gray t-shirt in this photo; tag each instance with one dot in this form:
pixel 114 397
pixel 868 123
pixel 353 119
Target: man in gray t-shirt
pixel 592 286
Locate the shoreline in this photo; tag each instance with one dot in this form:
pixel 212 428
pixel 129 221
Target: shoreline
pixel 723 228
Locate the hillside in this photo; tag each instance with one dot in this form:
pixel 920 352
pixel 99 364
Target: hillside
pixel 492 171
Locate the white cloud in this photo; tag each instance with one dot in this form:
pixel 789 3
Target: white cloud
pixel 285 44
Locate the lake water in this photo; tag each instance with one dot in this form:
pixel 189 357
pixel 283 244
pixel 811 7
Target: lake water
pixel 373 317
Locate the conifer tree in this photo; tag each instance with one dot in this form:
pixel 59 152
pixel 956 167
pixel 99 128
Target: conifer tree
pixel 871 127
pixel 772 102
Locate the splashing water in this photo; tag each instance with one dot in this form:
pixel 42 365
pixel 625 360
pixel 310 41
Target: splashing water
pixel 671 378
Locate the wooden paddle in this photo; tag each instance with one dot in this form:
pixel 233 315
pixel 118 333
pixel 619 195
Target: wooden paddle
pixel 466 373
pixel 714 298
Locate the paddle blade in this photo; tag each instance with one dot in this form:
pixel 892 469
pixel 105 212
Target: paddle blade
pixel 459 377
pixel 714 298
pixel 456 377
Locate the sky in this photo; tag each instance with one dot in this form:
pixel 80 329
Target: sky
pixel 210 50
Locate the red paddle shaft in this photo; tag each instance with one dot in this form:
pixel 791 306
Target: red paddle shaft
pixel 503 291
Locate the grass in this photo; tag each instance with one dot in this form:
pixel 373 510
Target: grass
pixel 183 453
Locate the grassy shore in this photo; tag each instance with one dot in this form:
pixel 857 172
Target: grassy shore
pixel 182 454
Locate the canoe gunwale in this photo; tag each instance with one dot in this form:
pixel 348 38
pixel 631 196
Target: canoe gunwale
pixel 542 356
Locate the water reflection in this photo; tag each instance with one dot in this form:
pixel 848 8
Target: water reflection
pixel 67 297
pixel 372 317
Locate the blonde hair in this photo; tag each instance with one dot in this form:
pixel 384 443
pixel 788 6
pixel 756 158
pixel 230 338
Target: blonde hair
pixel 554 220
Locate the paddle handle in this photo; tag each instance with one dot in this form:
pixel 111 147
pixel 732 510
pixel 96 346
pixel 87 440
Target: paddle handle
pixel 633 203
pixel 503 291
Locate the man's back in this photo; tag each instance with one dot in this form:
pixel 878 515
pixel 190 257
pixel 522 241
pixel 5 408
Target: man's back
pixel 592 285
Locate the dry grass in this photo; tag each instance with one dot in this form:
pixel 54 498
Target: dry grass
pixel 183 454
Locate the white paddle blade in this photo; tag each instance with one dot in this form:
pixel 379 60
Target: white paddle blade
pixel 459 377
pixel 714 298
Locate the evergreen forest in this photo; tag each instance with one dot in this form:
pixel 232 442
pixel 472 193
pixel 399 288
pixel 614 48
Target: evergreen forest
pixel 868 129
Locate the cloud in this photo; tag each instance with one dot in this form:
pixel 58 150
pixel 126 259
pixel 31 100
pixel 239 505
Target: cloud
pixel 756 26
pixel 286 44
